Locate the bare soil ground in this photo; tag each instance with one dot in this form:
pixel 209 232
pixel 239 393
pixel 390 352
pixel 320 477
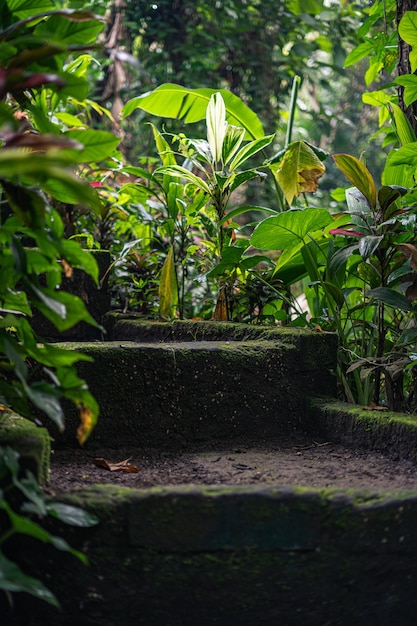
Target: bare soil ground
pixel 290 461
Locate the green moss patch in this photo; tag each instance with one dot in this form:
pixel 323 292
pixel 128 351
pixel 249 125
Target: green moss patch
pixel 32 442
pixel 389 432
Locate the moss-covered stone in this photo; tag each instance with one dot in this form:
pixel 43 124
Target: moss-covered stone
pixel 178 392
pixel 241 556
pixel 32 442
pixel 392 433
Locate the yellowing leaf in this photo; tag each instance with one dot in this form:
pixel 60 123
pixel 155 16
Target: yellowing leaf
pixel 221 311
pixel 299 171
pixel 358 174
pixel 168 287
pixel 87 424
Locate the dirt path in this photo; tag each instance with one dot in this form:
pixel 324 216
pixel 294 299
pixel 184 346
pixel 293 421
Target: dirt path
pixel 296 461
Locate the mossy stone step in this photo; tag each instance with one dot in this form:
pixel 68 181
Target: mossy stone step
pixel 180 556
pixel 171 393
pixel 32 442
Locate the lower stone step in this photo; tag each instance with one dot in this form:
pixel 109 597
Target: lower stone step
pixel 240 556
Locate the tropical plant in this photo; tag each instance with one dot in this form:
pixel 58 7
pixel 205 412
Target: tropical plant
pixel 360 269
pixel 385 228
pixel 21 503
pixel 42 85
pixel 196 192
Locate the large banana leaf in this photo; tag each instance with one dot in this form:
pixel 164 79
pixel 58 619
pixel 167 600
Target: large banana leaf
pixel 175 101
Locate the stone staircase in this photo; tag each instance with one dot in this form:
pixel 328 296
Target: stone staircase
pixel 224 555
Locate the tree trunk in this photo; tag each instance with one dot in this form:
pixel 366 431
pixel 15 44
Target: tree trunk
pixel 403 65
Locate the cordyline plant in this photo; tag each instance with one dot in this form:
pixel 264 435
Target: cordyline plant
pixel 361 270
pixel 384 230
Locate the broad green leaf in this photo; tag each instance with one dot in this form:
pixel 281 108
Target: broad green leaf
pixel 68 31
pixel 98 145
pixel 381 100
pixel 376 98
pixel 391 298
pixel 48 299
pixel 298 7
pixel 252 261
pixel 299 170
pixel 63 309
pixel 372 72
pixel 167 287
pixel 46 399
pixel 47 169
pixel 359 52
pixel 245 209
pixel 406 155
pixel 72 515
pixel 78 257
pixel 358 174
pixel 334 292
pixel 175 101
pixel 407 28
pixel 216 126
pixel 409 82
pixel 54 356
pixel 399 171
pixel 26 8
pixel 231 256
pixel 403 127
pixel 388 194
pixel 13 579
pixel 339 258
pixel 241 178
pixel 289 228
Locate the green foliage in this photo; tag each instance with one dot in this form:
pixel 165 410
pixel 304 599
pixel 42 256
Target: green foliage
pixel 22 502
pixel 36 159
pixel 196 204
pixel 40 79
pixel 360 267
pixel 190 105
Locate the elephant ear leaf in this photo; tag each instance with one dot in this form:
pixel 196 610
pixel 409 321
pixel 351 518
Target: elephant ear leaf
pixel 299 170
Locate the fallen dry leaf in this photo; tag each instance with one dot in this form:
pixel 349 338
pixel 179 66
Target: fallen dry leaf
pixel 374 407
pixel 121 466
